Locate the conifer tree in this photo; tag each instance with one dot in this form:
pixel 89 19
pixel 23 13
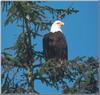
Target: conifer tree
pixel 32 18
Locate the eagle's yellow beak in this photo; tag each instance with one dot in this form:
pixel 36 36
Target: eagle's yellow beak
pixel 60 24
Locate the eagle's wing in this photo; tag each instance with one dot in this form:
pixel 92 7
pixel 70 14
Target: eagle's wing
pixel 49 46
pixel 55 46
pixel 61 46
pixel 45 45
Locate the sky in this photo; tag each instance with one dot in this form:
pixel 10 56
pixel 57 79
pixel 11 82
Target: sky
pixel 81 31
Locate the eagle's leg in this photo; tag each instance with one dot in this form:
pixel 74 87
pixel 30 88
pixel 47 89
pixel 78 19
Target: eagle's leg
pixel 61 61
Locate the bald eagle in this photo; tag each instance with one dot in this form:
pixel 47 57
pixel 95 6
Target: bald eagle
pixel 54 43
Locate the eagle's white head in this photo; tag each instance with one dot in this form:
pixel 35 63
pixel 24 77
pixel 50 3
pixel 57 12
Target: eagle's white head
pixel 56 26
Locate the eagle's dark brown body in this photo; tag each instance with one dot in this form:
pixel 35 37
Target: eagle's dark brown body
pixel 55 46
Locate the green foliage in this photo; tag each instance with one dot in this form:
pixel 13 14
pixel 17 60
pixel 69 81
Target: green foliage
pixel 83 75
pixel 20 71
pixel 24 52
pixel 80 71
pixel 36 12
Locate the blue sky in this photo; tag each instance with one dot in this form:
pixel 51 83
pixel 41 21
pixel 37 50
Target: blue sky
pixel 81 31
